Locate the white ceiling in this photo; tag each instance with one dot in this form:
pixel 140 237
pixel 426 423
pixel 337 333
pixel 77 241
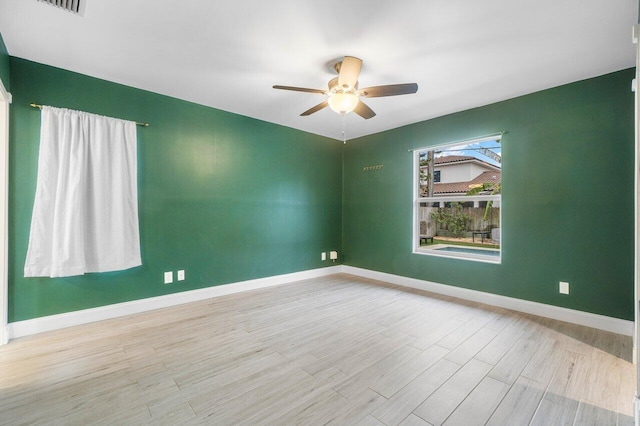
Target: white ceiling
pixel 227 55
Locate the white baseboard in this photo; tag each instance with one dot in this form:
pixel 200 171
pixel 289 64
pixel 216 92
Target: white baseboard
pixel 54 322
pixel 601 322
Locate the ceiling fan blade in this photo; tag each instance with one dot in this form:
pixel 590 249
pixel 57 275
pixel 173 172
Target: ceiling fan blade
pixel 389 90
pixel 349 72
pixel 300 89
pixel 315 108
pixel 364 111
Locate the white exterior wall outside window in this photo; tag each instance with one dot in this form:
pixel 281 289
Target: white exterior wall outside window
pixel 459 172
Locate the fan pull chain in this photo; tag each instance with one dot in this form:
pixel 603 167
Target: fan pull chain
pixel 344 125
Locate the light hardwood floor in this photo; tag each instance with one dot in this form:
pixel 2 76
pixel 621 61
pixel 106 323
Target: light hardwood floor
pixel 338 350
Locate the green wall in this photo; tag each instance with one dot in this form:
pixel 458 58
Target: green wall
pixel 225 197
pixel 229 198
pixel 5 72
pixel 567 197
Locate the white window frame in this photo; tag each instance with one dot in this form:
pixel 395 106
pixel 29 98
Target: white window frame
pixel 5 101
pixel 417 200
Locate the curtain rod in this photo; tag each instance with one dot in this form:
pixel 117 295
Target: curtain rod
pixel 492 135
pixel 34 105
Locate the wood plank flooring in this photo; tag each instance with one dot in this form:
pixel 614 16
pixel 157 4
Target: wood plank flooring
pixel 335 350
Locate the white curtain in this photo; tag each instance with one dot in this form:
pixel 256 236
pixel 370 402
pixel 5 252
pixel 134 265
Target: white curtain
pixel 85 214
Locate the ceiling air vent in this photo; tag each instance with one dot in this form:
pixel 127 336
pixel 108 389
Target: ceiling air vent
pixel 74 6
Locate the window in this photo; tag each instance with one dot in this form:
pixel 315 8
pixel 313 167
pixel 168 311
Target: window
pixel 457 205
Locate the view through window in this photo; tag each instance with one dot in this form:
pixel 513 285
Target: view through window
pixel 458 199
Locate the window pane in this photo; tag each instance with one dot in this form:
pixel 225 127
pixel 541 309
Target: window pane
pixel 459 188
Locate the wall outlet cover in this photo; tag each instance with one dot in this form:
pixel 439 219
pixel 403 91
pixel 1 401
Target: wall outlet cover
pixel 333 255
pixel 168 277
pixel 181 275
pixel 564 287
pixel 323 256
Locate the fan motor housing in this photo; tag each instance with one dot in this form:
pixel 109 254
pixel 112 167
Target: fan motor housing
pixel 334 88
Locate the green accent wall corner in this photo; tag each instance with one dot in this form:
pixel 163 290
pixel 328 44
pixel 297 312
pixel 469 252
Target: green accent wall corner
pixel 229 198
pixel 567 197
pixel 225 197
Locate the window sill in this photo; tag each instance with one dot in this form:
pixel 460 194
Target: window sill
pixel 464 253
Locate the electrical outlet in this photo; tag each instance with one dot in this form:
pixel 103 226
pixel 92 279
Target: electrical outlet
pixel 168 277
pixel 323 256
pixel 333 255
pixel 181 275
pixel 564 287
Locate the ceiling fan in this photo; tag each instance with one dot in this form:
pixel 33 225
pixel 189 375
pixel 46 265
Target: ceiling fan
pixel 344 95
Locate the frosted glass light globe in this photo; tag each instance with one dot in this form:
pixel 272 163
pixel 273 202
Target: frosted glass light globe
pixel 343 103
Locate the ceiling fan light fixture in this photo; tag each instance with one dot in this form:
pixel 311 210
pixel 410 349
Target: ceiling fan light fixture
pixel 343 95
pixel 343 102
